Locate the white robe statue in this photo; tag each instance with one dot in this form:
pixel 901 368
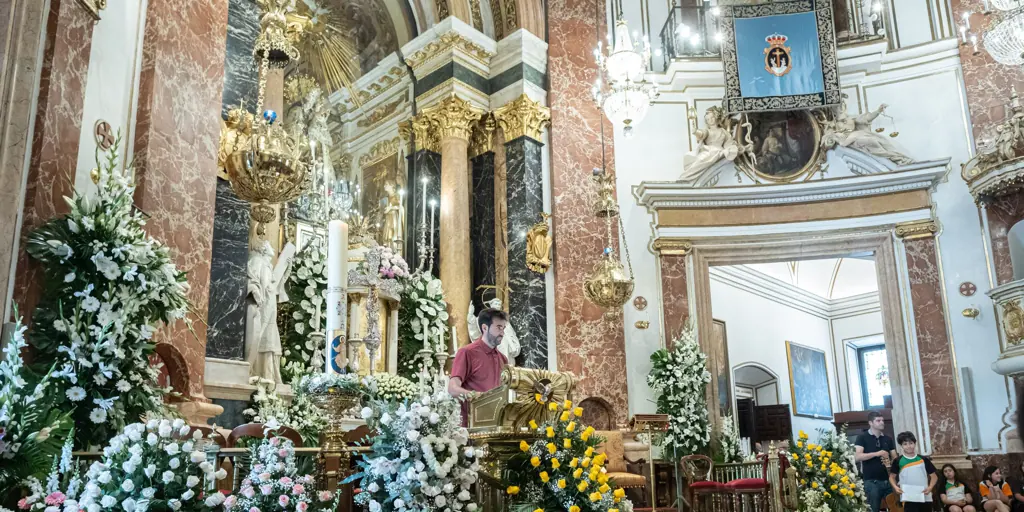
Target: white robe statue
pixel 856 133
pixel 713 144
pixel 509 343
pixel 265 291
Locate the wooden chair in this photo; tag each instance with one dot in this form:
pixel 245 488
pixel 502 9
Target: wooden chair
pixel 615 450
pixel 701 493
pixel 753 490
pixel 256 430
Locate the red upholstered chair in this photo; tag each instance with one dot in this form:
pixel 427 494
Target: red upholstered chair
pixel 702 493
pixel 756 491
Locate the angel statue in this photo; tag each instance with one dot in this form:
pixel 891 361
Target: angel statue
pixel 856 133
pixel 265 290
pixel 713 144
pixel 392 232
pixel 509 343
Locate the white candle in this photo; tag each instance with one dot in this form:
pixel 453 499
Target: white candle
pixel 424 181
pixel 337 284
pixel 433 206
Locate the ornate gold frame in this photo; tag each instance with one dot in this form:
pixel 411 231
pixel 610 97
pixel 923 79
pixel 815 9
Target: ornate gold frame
pixel 813 165
pixel 792 386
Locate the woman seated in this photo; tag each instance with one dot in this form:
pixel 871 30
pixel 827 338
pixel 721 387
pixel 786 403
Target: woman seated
pixel 953 493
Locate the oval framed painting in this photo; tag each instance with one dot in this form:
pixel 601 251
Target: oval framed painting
pixel 786 145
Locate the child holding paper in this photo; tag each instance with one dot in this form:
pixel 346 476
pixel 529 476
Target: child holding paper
pixel 912 476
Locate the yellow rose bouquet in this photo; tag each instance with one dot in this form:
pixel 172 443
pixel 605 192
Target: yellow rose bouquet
pixel 561 470
pixel 827 479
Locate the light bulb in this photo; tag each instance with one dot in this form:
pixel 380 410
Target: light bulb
pixel 657 52
pixel 695 40
pixel 715 11
pixel 683 30
pixel 718 37
pixel 422 180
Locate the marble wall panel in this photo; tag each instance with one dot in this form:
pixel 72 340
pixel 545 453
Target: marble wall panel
pixel 527 299
pixel 225 336
pixel 588 343
pixel 1003 213
pixel 674 297
pixel 934 348
pixel 180 97
pixel 425 164
pixel 55 140
pixel 240 76
pixel 18 88
pixel 481 224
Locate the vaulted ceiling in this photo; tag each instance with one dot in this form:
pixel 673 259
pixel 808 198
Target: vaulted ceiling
pixel 830 278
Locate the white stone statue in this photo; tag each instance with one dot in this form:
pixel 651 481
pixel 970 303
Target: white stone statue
pixel 713 144
pixel 392 232
pixel 856 133
pixel 265 291
pixel 509 343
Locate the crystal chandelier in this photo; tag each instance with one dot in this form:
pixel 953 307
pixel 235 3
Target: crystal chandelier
pixel 624 92
pixel 1003 38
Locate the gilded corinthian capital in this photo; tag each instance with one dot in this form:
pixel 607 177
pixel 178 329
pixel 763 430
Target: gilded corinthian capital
pixel 523 118
pixel 453 117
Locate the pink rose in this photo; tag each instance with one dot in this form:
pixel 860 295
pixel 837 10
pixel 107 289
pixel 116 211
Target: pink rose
pixel 266 489
pixel 55 498
pixel 259 467
pixel 283 500
pixel 248 492
pixel 282 453
pixel 23 504
pixel 326 496
pixel 230 501
pixel 275 441
pixel 254 509
pixel 298 489
pixel 285 480
pixel 264 477
pixel 302 506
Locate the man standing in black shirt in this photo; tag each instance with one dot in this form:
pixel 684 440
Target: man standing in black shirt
pixel 875 450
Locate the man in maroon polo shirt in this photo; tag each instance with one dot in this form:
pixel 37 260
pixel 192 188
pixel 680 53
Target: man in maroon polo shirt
pixel 477 366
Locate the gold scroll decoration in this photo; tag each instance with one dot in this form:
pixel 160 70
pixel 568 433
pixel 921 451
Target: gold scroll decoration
pixel 523 117
pixel 918 229
pixel 538 246
pixel 1013 322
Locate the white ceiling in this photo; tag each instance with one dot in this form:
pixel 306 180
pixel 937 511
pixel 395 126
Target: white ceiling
pixel 829 278
pixel 751 376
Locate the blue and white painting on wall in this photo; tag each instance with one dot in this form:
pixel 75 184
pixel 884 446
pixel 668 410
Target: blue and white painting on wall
pixel 808 381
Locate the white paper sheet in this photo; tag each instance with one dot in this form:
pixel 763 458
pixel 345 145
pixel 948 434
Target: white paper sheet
pixel 913 494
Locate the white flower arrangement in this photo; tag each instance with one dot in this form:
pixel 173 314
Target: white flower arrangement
pixel 61 490
pixel 390 388
pixel 109 286
pixel 729 441
pixel 273 483
pixel 32 426
pixel 391 264
pixel 422 323
pixel 267 407
pixel 307 289
pixel 420 458
pixel 159 465
pixel 321 382
pixel 680 377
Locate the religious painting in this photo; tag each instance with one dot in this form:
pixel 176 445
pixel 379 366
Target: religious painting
pixel 779 56
pixel 784 146
pixel 382 181
pixel 721 369
pixel 808 381
pixel 307 234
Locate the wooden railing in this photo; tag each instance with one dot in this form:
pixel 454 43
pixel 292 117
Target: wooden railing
pixel 725 473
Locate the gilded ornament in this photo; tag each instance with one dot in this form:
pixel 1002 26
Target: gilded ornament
pixel 608 285
pixel 234 133
pixel 499 28
pixel 480 139
pixel 918 229
pixel 379 152
pixel 417 131
pixel 93 7
pixel 273 42
pixel 297 87
pixel 452 117
pixel 605 205
pixel 526 384
pixel 379 114
pixel 997 169
pixel 642 324
pixel 449 42
pixel 343 165
pixel 672 246
pixel 1013 321
pixel 538 246
pixel 523 117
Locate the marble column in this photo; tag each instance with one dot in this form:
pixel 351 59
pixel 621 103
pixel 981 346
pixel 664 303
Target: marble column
pixel 589 344
pixel 453 119
pixel 937 371
pixel 675 301
pixel 522 122
pixel 229 254
pixel 482 228
pixel 180 97
pixel 58 123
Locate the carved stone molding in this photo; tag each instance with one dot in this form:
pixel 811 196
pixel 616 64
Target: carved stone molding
pixel 452 117
pixel 368 92
pixel 379 114
pixel 918 229
pixel 523 117
pixel 449 41
pixel 379 151
pixel 672 246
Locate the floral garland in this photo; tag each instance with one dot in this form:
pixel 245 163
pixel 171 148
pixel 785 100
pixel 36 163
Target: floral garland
pixel 680 377
pixel 273 483
pixel 386 387
pixel 729 441
pixel 321 382
pixel 158 465
pixel 32 426
pixel 307 288
pixel 422 321
pixel 828 479
pixel 108 287
pixel 267 407
pixel 420 460
pixel 561 470
pixel 390 265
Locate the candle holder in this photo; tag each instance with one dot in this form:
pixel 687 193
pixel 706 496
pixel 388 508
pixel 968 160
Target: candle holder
pixel 372 340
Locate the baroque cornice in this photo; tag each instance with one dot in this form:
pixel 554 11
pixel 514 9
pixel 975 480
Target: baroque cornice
pixel 450 41
pixel 672 246
pixel 919 229
pixel 379 114
pixel 379 152
pixel 523 117
pixel 369 92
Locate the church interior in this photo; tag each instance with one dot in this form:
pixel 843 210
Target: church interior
pixel 511 255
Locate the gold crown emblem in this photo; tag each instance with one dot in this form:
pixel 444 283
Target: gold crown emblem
pixel 776 39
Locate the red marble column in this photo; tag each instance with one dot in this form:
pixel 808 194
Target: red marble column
pixel 675 300
pixel 58 124
pixel 1003 213
pixel 176 142
pixel 934 347
pixel 589 345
